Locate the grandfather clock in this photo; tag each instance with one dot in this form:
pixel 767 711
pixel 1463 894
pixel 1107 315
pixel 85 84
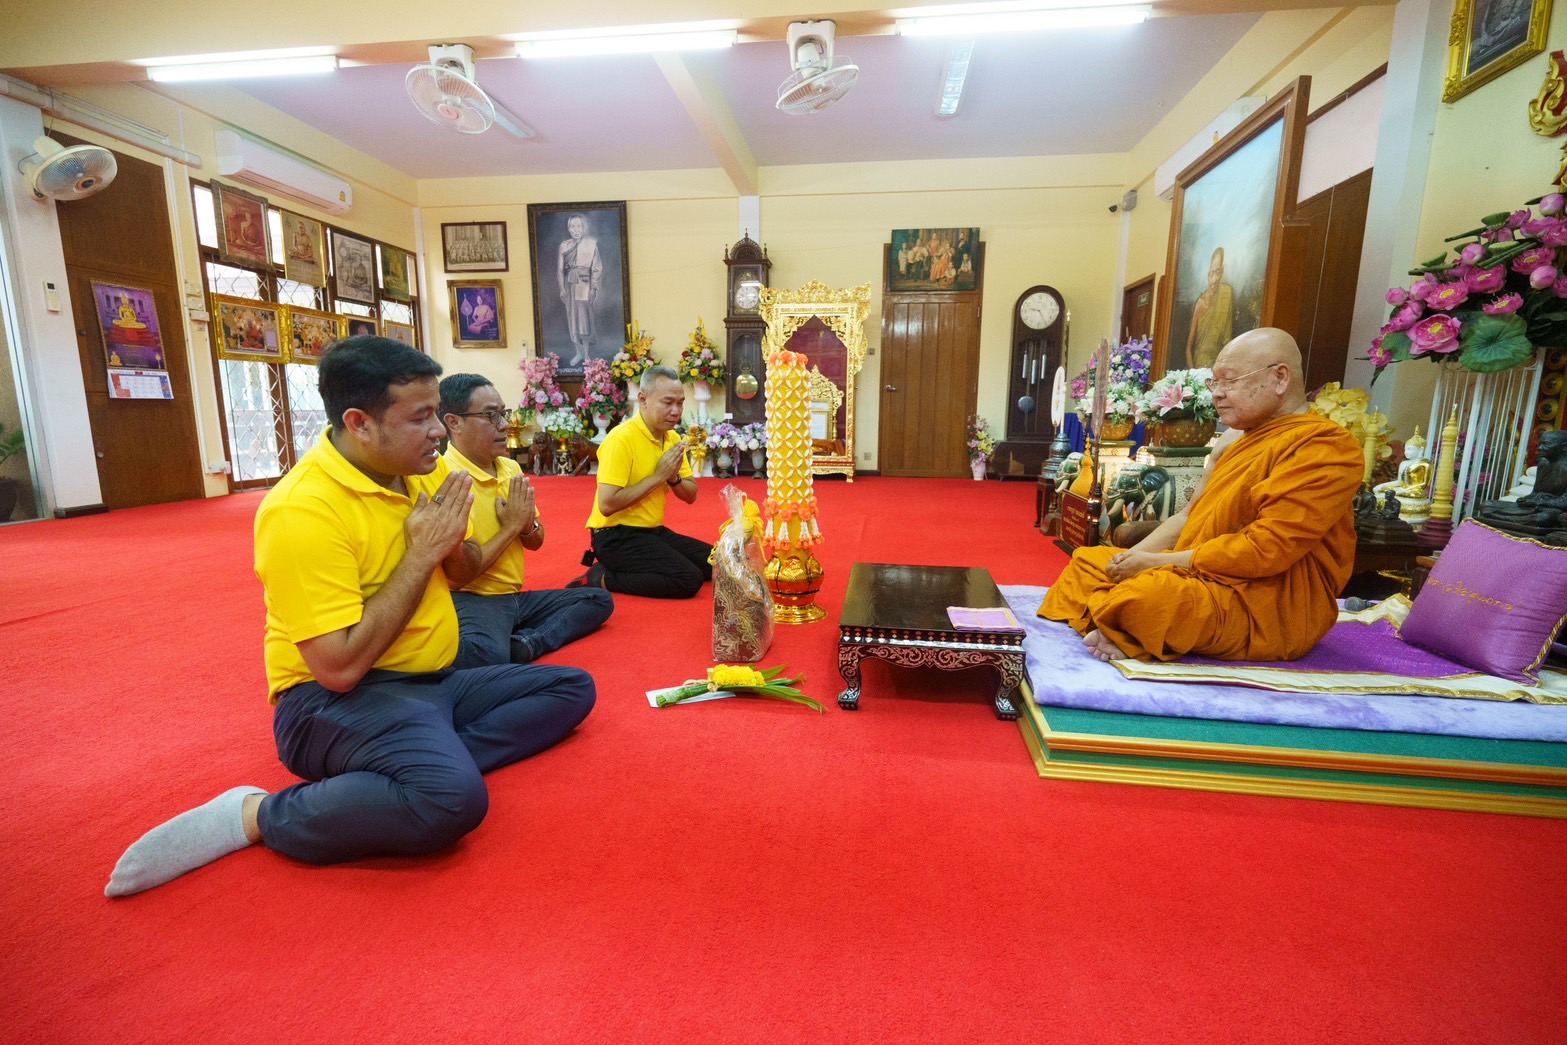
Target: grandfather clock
pixel 743 327
pixel 1039 334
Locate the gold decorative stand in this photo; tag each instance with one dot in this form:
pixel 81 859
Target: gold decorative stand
pixel 794 578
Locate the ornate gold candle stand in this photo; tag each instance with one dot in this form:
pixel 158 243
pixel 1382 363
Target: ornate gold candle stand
pixel 793 574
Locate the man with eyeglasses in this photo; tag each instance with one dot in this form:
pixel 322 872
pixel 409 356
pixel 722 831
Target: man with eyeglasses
pixel 501 622
pixel 1251 567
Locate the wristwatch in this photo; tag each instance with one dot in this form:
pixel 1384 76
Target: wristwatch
pixel 676 481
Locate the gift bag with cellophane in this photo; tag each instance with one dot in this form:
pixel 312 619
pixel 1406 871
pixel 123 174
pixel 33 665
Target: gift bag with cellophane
pixel 742 605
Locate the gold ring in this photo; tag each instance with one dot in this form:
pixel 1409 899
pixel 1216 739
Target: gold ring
pixel 439 498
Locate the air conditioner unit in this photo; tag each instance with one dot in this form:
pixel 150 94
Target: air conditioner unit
pixel 279 174
pixel 1224 123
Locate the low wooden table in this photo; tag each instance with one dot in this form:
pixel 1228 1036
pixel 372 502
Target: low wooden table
pixel 899 614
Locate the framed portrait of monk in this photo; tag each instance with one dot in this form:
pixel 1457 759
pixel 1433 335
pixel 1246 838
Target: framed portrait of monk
pixel 1489 37
pixel 242 227
pixel 581 281
pixel 1225 271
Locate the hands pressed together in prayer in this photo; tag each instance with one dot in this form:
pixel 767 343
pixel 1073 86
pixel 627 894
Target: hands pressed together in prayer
pixel 437 525
pixel 517 510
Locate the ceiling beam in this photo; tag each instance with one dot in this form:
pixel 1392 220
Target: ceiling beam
pixel 705 104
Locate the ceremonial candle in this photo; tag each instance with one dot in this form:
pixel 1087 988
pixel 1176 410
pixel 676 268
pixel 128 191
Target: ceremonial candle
pixel 791 498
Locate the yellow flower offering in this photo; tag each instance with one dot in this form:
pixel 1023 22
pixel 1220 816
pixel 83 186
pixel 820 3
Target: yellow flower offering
pixel 742 681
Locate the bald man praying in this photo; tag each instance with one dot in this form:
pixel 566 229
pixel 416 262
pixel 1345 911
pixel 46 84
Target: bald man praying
pixel 1250 568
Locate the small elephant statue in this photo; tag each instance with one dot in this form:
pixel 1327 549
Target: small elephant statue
pixel 541 455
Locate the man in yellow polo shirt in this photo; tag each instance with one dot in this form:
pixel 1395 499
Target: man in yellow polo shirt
pixel 640 463
pixel 497 619
pixel 355 548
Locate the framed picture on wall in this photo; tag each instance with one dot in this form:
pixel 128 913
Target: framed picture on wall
pixel 1489 37
pixel 249 330
pixel 1226 227
pixel 473 246
pixel 933 259
pixel 310 333
pixel 581 280
pixel 304 250
pixel 478 313
pixel 362 326
pixel 396 273
pixel 353 268
pixel 128 320
pixel 242 227
pixel 403 332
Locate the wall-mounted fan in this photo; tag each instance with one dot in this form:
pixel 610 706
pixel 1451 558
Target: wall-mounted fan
pixel 55 172
pixel 447 93
pixel 819 78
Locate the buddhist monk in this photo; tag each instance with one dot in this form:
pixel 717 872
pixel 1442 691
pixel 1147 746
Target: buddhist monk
pixel 1248 570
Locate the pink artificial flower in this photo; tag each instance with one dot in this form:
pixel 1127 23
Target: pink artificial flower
pixel 1516 219
pixel 1407 316
pixel 1532 259
pixel 1472 253
pixel 1485 279
pixel 1170 397
pixel 1379 356
pixel 1559 288
pixel 1553 204
pixel 1397 296
pixel 1555 234
pixel 1437 334
pixel 1448 296
pixel 1543 277
pixel 1505 305
pixel 1422 288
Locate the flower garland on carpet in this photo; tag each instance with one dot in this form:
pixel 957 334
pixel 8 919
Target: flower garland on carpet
pixel 629 363
pixel 1180 395
pixel 539 388
pixel 602 395
pixel 981 444
pixel 699 361
pixel 743 681
pixel 1128 376
pixel 1492 305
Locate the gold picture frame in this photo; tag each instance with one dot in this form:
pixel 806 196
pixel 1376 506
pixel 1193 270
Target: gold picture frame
pixel 311 332
pixel 249 330
pixel 1490 37
pixel 827 326
pixel 478 313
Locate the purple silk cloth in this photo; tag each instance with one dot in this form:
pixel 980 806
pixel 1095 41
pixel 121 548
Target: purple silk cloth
pixel 1360 648
pixel 1064 674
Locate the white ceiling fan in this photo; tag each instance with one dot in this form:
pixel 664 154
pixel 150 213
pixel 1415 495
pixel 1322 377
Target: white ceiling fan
pixel 819 78
pixel 447 92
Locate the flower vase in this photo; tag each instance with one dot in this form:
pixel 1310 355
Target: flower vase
pixel 977 465
pixel 758 462
pixel 725 463
pixel 632 388
pixel 602 424
pixel 1186 432
pixel 701 391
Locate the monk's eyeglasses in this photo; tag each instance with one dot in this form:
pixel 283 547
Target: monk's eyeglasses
pixel 1230 382
pixel 498 418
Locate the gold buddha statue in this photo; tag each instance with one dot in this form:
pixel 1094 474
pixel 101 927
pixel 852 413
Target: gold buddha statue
pixel 1412 486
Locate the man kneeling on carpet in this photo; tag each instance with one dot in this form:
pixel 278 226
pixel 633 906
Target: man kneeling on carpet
pixel 497 619
pixel 1250 568
pixel 640 462
pixel 356 549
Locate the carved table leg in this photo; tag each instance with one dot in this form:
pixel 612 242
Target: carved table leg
pixel 1011 668
pixel 849 658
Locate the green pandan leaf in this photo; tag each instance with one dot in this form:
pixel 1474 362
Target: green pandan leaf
pixel 1397 343
pixel 1493 343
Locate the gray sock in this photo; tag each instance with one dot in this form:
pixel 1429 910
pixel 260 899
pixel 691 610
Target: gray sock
pixel 196 837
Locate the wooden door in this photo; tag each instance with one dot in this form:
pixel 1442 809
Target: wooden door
pixel 930 382
pixel 146 448
pixel 1335 221
pixel 1137 310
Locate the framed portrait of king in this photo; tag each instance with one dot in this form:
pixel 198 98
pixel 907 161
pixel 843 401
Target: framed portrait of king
pixel 581 280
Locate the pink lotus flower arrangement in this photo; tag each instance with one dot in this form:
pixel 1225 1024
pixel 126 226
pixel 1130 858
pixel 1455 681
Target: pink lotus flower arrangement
pixel 540 390
pixel 1490 307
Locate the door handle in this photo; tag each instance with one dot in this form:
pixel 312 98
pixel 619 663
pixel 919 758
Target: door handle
pixel 890 388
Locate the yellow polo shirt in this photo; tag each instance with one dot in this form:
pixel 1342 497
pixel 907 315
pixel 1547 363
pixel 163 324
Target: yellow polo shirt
pixel 327 538
pixel 505 574
pixel 627 456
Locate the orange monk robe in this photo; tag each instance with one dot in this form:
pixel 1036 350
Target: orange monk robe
pixel 1273 536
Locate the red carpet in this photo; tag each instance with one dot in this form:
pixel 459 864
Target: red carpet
pixel 733 871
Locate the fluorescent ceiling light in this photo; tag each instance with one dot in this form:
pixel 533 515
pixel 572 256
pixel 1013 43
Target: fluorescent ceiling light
pixel 952 82
pixel 237 70
pixel 627 39
pixel 1023 21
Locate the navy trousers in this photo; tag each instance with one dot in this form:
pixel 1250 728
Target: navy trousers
pixel 653 561
pixel 394 766
pixel 525 625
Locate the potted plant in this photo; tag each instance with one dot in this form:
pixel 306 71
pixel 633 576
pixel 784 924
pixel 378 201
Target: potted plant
pixel 631 361
pixel 12 444
pixel 752 439
pixel 1179 407
pixel 700 367
pixel 724 438
pixel 602 399
pixel 1127 377
pixel 540 392
pixel 981 444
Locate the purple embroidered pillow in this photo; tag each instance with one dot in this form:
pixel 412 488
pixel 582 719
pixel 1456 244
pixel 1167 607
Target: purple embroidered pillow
pixel 1493 601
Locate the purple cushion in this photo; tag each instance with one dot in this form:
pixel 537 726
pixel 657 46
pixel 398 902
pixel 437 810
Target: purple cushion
pixel 1493 601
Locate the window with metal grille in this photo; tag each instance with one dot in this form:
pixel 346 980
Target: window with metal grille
pixel 272 412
